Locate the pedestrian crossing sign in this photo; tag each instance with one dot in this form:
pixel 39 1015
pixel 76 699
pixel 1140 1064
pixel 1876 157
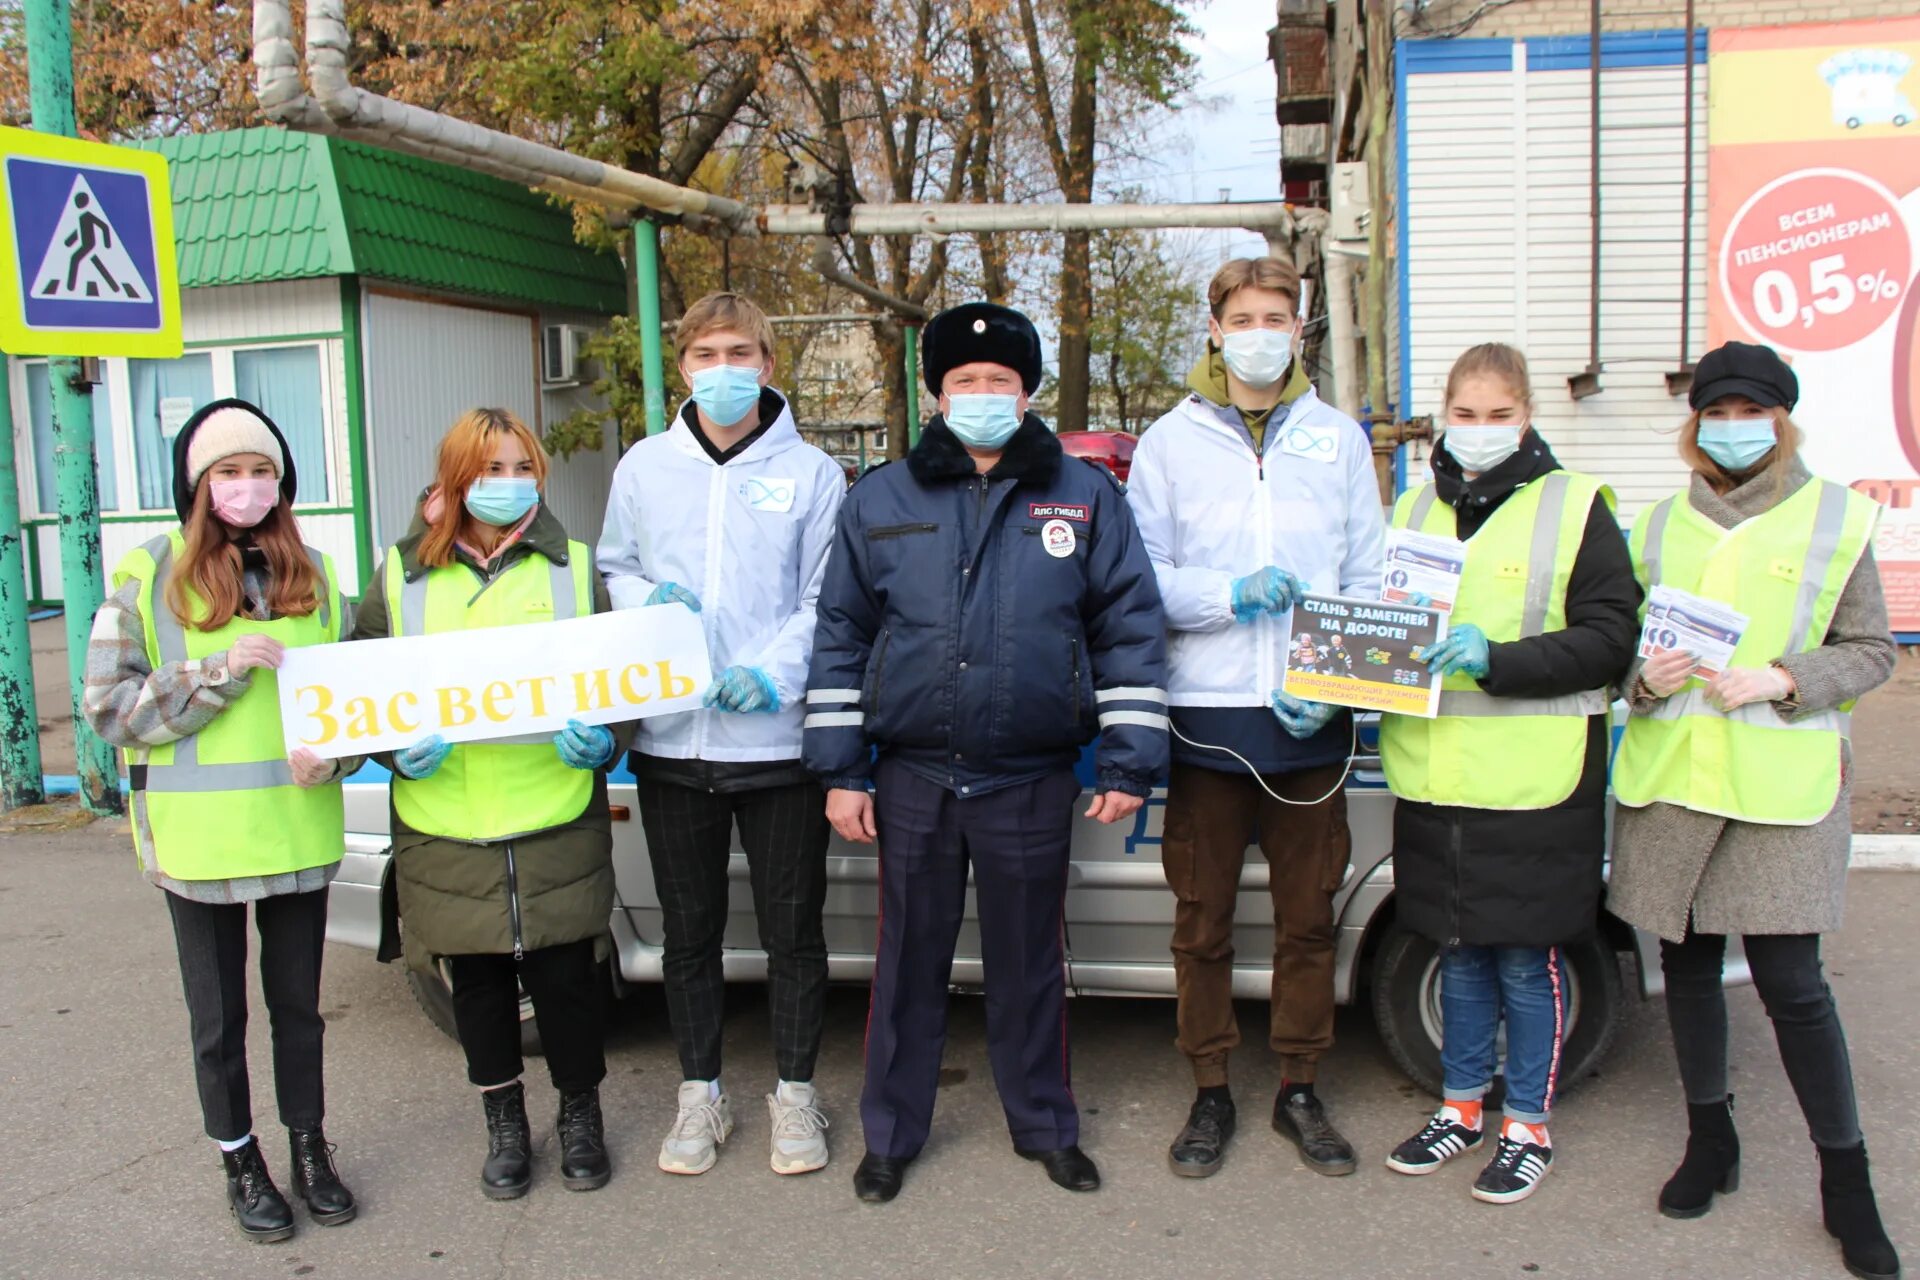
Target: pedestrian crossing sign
pixel 86 249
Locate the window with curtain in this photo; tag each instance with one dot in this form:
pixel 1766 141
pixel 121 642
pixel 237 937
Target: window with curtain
pixel 164 393
pixel 286 382
pixel 40 415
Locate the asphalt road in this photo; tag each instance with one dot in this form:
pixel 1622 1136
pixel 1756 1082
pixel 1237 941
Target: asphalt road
pixel 106 1173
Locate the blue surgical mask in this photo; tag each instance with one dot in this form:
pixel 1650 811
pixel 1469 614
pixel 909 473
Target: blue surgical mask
pixel 502 500
pixel 983 421
pixel 1258 357
pixel 1737 443
pixel 727 392
pixel 1481 449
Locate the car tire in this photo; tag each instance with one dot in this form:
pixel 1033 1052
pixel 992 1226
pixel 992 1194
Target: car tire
pixel 1406 1007
pixel 434 994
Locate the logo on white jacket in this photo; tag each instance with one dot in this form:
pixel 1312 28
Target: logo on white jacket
pixel 1058 538
pixel 768 494
pixel 1321 444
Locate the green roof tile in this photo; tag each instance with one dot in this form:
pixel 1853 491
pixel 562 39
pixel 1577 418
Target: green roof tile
pixel 253 205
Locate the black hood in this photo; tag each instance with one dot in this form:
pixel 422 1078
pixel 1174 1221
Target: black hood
pixel 1033 454
pixel 183 492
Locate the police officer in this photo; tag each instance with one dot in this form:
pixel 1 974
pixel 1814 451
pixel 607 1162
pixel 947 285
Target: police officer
pixel 987 608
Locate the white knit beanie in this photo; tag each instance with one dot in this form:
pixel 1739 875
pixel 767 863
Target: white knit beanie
pixel 228 431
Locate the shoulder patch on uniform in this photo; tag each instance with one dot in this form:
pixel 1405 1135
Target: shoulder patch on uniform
pixel 1102 469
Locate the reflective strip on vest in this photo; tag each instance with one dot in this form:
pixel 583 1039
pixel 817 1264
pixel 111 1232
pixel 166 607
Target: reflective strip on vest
pixel 213 820
pixel 1525 753
pixel 1750 763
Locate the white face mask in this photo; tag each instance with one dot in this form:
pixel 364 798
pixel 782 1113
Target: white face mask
pixel 1258 357
pixel 1481 449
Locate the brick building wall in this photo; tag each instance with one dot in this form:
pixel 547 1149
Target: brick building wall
pixel 1525 18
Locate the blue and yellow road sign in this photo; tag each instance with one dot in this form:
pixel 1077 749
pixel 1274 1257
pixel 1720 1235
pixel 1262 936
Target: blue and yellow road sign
pixel 86 249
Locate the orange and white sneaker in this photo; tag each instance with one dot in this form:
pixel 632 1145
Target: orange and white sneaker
pixel 1523 1158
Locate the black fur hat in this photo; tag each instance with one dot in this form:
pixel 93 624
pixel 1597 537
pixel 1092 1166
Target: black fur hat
pixel 976 331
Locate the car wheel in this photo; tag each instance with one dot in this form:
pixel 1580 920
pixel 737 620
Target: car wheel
pixel 434 994
pixel 1406 1008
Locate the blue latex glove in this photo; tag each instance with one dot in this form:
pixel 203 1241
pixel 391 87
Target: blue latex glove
pixel 422 758
pixel 1299 718
pixel 1463 651
pixel 1420 600
pixel 674 593
pixel 743 689
pixel 584 746
pixel 1270 590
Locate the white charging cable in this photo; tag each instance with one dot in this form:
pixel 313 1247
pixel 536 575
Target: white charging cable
pixel 1353 750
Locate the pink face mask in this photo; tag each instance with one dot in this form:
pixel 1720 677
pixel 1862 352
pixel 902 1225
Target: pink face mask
pixel 245 503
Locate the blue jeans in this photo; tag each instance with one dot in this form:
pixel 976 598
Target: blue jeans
pixel 1528 984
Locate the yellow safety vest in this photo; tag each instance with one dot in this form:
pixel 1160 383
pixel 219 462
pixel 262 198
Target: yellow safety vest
pixel 1501 753
pixel 1784 569
pixel 492 790
pixel 222 803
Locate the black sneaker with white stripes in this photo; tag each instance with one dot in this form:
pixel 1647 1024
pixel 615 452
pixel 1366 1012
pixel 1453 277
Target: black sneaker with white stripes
pixel 1443 1139
pixel 1515 1170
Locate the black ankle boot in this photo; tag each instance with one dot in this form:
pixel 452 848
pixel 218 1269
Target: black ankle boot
pixel 1852 1218
pixel 315 1180
pixel 509 1166
pixel 1712 1162
pixel 257 1205
pixel 583 1141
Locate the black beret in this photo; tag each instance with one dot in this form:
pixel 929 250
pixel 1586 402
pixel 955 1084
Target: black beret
pixel 1744 369
pixel 980 331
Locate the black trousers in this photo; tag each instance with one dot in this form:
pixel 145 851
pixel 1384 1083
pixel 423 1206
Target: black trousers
pixel 1016 841
pixel 1806 1025
pixel 568 988
pixel 690 839
pixel 212 942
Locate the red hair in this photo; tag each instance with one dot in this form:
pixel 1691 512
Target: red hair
pixel 465 451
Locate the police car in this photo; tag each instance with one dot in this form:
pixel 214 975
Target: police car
pixel 1119 918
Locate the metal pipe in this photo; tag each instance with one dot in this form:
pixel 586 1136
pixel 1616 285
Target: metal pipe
pixel 949 219
pixel 1587 382
pixel 653 375
pixel 21 782
pixel 827 317
pixel 1379 28
pixel 912 361
pixel 1686 214
pixel 50 74
pixel 1343 357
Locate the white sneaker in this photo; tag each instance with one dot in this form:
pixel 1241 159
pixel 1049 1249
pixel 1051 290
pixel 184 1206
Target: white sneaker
pixel 799 1130
pixel 703 1124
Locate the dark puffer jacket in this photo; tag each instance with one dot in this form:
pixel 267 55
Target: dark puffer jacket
pixel 1529 877
pixel 982 628
pixel 456 898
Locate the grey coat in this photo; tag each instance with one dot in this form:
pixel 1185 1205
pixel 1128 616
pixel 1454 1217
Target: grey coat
pixel 1748 877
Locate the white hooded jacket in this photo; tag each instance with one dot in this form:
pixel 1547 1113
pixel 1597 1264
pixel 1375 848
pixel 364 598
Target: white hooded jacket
pixel 750 538
pixel 1211 510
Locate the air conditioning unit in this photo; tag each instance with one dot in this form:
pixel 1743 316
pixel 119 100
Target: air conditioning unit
pixel 562 359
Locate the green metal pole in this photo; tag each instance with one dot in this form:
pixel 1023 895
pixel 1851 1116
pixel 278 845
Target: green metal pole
pixel 21 781
pixel 50 73
pixel 646 270
pixel 913 384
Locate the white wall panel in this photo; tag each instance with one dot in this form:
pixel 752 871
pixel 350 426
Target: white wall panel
pixel 249 312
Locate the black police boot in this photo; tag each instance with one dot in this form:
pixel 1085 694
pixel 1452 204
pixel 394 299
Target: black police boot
pixel 1303 1118
pixel 509 1166
pixel 329 1203
pixel 583 1141
pixel 1202 1145
pixel 1069 1167
pixel 1712 1162
pixel 878 1178
pixel 258 1207
pixel 1852 1217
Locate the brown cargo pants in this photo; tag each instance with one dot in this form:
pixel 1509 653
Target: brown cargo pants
pixel 1211 818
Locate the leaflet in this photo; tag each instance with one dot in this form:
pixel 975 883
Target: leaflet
pixel 1359 653
pixel 1423 564
pixel 1705 628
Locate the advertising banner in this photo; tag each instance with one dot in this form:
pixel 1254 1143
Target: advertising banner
pixel 497 683
pixel 1813 181
pixel 1359 653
